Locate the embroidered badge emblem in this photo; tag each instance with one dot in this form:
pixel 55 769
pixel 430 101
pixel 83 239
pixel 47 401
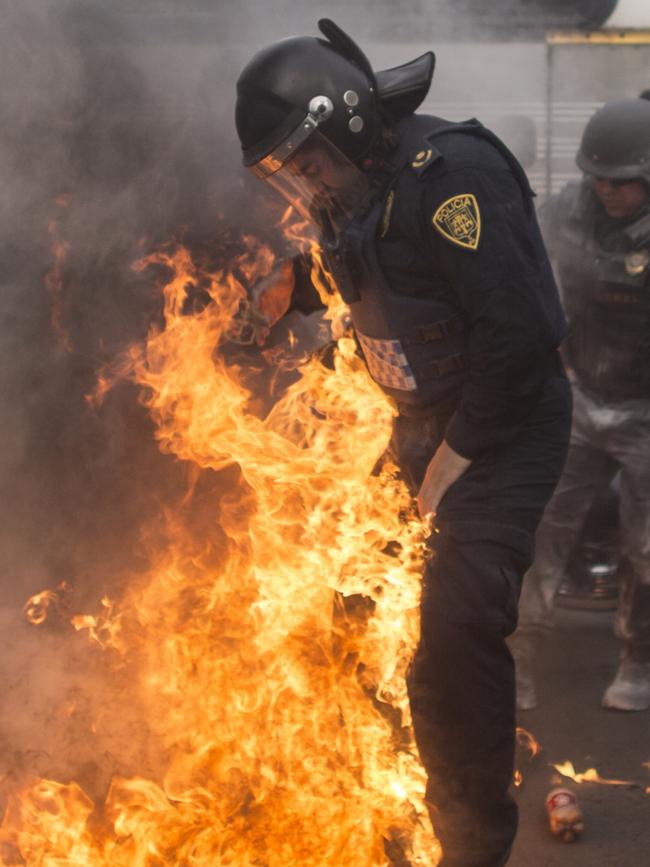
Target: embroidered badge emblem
pixel 422 158
pixel 385 217
pixel 459 221
pixel 637 262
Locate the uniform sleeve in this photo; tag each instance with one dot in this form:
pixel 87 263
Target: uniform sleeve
pixel 485 243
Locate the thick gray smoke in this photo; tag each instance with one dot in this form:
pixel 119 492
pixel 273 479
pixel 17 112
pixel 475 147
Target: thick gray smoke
pixel 112 142
pixel 100 154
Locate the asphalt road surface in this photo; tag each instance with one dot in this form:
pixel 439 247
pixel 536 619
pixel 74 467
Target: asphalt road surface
pixel 576 665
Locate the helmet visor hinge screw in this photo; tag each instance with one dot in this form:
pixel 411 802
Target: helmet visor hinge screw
pixel 321 108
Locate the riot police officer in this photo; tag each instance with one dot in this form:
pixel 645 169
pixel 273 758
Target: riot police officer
pixel 598 232
pixel 430 232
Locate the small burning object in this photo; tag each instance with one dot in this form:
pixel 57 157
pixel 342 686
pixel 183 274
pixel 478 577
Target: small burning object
pixel 41 605
pixel 564 815
pixel 528 749
pixel 37 606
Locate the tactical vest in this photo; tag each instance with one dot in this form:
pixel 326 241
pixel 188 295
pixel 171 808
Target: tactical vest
pixel 415 347
pixel 605 274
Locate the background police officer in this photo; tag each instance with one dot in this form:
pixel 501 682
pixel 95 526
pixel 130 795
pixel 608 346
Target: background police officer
pixel 598 232
pixel 430 232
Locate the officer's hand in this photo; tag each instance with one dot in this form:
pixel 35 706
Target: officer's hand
pixel 271 297
pixel 445 467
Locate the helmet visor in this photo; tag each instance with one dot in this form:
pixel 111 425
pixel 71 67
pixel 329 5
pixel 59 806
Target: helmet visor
pixel 322 184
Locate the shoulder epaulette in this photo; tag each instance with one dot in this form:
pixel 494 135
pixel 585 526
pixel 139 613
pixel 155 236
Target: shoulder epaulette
pixel 424 157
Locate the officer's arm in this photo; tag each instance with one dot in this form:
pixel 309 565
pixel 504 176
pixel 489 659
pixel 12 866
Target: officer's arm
pixel 288 287
pixel 491 258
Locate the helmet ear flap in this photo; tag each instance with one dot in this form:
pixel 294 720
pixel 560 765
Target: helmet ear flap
pixel 345 45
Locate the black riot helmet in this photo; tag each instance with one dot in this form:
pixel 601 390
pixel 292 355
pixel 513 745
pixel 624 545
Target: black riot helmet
pixel 310 109
pixel 297 85
pixel 616 141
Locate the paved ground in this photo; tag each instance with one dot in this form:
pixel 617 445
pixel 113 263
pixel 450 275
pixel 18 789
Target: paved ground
pixel 577 665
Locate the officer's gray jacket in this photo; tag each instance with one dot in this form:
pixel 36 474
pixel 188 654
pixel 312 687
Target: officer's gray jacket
pixel 604 269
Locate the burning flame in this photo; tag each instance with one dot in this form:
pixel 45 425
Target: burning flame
pixel 529 748
pixel 37 608
pixel 270 649
pixel 591 775
pixel 528 742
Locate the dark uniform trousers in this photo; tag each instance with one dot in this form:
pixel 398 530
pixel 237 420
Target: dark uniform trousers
pixel 606 437
pixel 461 681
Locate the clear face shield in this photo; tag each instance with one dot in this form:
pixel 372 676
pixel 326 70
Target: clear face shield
pixel 320 182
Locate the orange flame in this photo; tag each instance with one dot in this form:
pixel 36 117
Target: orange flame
pixel 529 747
pixel 271 653
pixel 105 629
pixel 527 741
pixel 37 608
pixel 591 775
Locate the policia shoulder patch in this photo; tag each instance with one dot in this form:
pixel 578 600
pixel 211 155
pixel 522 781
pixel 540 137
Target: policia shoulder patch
pixel 459 220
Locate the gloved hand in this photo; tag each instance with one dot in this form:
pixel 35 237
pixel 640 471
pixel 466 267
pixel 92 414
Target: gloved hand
pixel 270 299
pixel 272 295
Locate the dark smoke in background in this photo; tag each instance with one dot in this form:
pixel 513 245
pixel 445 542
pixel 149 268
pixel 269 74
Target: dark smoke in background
pixel 74 127
pixel 115 138
pixel 111 161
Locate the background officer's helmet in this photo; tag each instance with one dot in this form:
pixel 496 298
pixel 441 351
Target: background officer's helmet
pixel 616 141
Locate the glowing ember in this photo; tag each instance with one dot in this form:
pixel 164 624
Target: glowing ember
pixel 269 650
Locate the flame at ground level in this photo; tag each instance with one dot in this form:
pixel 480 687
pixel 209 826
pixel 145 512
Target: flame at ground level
pixel 528 749
pixel 269 647
pixel 591 775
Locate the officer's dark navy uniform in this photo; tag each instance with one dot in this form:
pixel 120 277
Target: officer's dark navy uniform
pixel 456 313
pixel 603 262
